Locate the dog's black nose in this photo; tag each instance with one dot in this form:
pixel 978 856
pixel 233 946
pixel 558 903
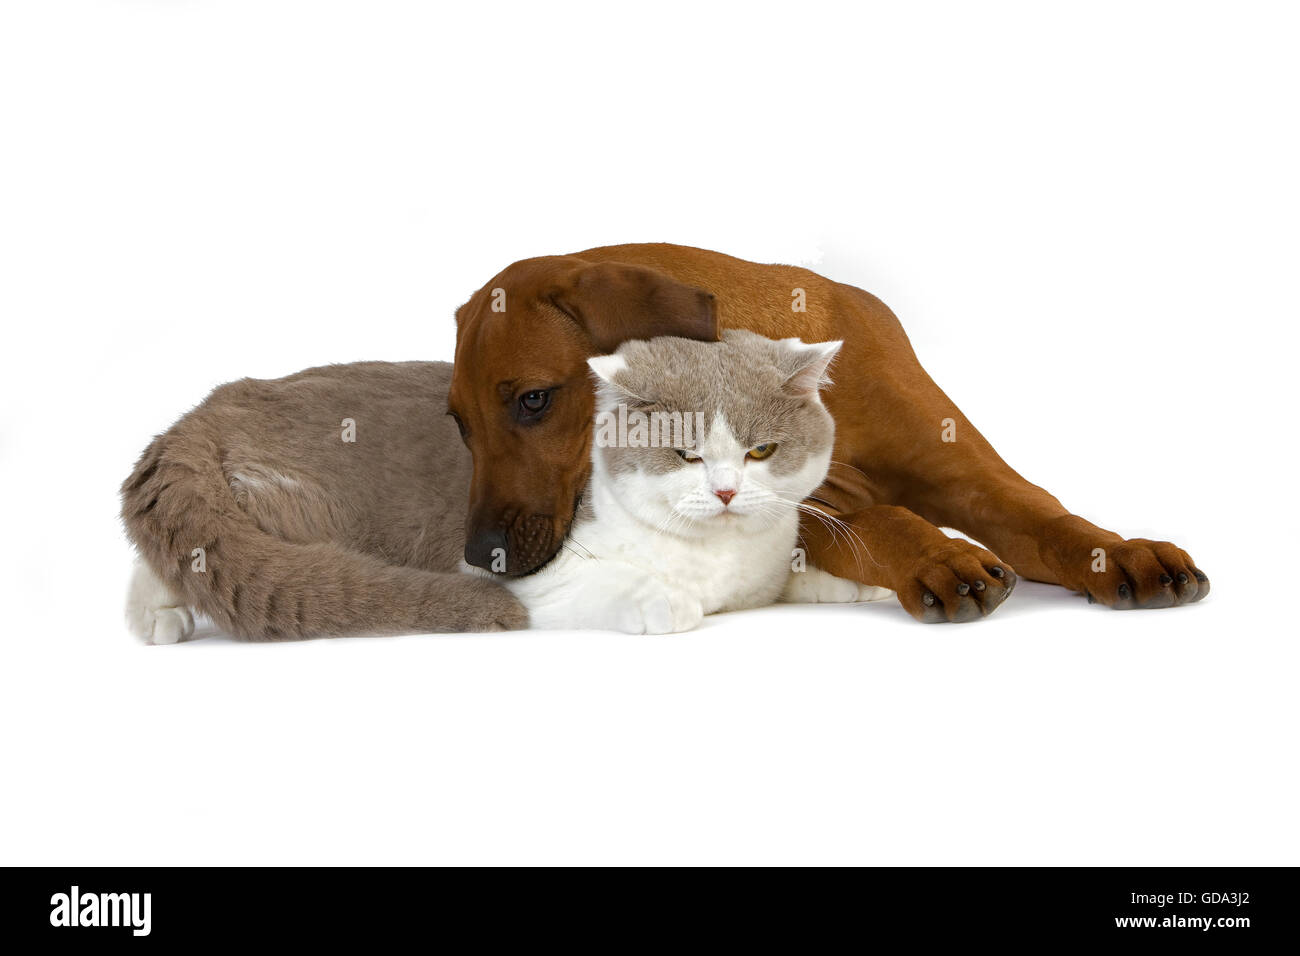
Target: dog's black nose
pixel 487 550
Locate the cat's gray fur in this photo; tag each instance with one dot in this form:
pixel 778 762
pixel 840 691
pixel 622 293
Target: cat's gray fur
pixel 698 525
pixel 305 534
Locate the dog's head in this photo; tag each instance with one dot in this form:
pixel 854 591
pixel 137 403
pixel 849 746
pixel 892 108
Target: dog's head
pixel 522 394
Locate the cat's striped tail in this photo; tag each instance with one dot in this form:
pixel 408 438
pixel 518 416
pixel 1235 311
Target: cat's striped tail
pixel 182 516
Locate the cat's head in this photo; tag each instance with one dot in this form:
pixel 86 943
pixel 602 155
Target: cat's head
pixel 691 435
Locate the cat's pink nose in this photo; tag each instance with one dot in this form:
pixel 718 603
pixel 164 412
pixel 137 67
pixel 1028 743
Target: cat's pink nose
pixel 726 494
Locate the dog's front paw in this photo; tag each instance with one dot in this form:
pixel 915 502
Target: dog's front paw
pixel 956 583
pixel 1139 573
pixel 1121 574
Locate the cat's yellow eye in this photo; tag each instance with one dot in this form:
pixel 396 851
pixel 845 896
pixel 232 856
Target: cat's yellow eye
pixel 759 452
pixel 687 455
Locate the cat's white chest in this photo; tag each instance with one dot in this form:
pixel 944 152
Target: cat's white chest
pixel 729 569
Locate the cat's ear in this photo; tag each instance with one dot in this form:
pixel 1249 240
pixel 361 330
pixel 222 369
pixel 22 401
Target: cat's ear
pixel 607 366
pixel 806 366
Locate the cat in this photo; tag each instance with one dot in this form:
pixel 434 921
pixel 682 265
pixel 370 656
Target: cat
pixel 702 456
pixel 330 502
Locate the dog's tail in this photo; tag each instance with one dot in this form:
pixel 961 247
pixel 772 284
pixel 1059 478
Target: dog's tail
pixel 183 517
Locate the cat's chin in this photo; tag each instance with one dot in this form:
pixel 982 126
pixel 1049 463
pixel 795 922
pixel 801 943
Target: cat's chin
pixel 685 524
pixel 700 525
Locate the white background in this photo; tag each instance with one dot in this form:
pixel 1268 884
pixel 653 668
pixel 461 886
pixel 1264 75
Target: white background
pixel 1086 218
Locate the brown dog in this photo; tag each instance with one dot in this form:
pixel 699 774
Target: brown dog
pixel 907 460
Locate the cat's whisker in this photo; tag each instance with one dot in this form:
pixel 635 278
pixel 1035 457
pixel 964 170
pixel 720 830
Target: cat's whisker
pixel 585 557
pixel 833 523
pixel 839 529
pixel 850 534
pixel 845 464
pixel 675 518
pixel 837 535
pixel 572 540
pixel 840 537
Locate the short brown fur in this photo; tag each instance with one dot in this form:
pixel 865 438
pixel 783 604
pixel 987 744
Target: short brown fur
pixel 895 483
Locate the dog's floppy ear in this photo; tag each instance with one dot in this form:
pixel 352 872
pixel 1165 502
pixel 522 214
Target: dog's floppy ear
pixel 614 302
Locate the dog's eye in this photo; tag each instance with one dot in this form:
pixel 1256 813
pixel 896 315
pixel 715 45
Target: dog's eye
pixel 534 402
pixel 687 455
pixel 759 452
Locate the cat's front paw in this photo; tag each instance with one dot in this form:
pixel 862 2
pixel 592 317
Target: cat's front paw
pixel 155 613
pixel 160 625
pixel 815 586
pixel 607 596
pixel 653 608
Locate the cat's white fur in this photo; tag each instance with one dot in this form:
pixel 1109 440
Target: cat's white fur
pixel 155 613
pixel 815 586
pixel 659 551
